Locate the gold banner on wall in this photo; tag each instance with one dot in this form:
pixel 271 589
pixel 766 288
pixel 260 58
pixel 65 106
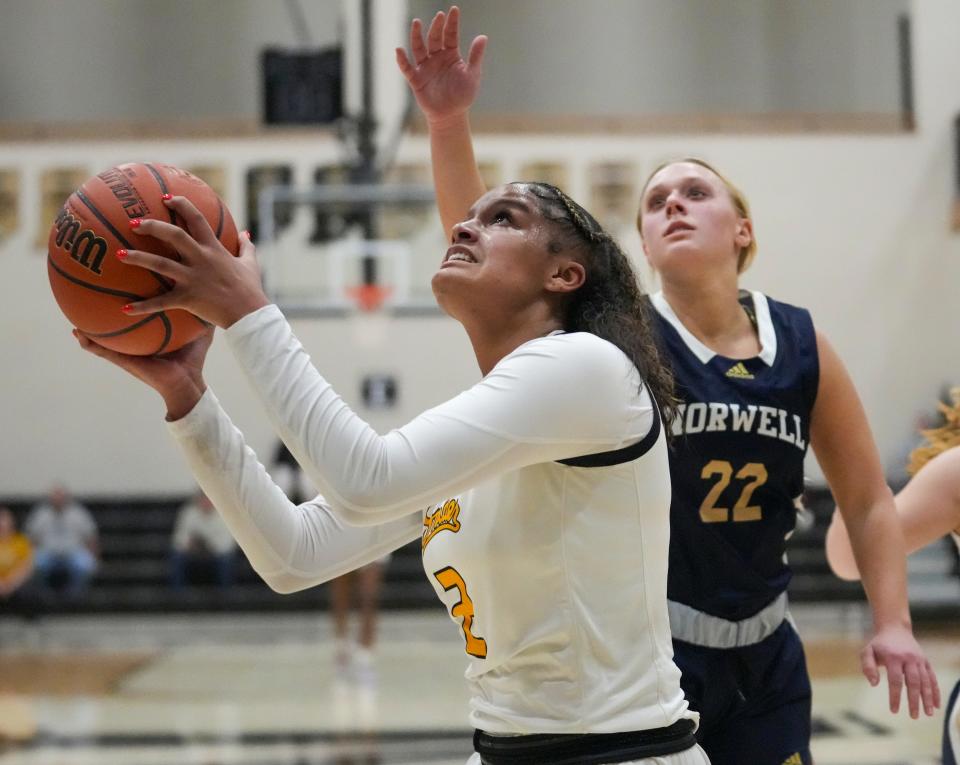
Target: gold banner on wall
pixel 9 202
pixel 408 173
pixel 215 176
pixel 546 172
pixel 613 193
pixel 56 184
pixel 403 221
pixel 491 173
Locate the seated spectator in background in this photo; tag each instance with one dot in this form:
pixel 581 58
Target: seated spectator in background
pixel 65 542
pixel 16 564
pixel 203 548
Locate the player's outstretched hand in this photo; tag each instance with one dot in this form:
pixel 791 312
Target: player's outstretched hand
pixel 442 82
pixel 208 281
pixel 176 376
pixel 896 649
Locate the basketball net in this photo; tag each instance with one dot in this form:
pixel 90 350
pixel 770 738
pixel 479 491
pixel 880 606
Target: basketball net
pixel 369 326
pixel 369 297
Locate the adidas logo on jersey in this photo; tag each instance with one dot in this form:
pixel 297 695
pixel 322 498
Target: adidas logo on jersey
pixel 739 371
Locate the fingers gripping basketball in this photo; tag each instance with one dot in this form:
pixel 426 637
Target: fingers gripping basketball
pixel 91 285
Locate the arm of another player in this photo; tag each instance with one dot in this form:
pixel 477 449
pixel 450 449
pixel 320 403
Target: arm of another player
pixel 841 438
pixel 445 87
pixel 928 508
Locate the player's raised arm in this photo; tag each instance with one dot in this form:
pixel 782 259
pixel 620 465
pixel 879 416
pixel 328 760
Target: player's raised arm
pixel 445 86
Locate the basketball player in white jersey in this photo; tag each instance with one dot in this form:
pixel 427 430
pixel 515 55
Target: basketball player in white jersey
pixel 541 495
pixel 929 509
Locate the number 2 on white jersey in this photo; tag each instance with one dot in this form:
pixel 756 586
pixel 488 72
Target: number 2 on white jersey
pixel 450 579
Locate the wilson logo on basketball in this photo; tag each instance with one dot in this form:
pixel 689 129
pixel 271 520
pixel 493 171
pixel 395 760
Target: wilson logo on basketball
pixel 444 518
pixel 85 246
pixel 124 192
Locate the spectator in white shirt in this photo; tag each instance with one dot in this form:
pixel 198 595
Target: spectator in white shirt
pixel 65 539
pixel 202 545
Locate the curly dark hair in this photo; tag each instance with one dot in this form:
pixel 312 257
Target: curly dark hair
pixel 611 303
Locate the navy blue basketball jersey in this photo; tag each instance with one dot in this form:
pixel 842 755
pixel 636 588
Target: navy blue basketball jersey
pixel 736 461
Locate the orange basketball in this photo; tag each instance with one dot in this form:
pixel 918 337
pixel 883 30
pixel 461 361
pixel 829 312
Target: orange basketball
pixel 91 285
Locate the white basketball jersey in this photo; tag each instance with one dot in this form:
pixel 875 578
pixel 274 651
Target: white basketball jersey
pixel 556 576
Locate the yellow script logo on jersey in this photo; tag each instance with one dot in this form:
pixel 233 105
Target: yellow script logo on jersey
pixel 739 371
pixel 793 759
pixel 443 518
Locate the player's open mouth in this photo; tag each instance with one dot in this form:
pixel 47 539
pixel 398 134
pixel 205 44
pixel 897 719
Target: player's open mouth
pixel 458 254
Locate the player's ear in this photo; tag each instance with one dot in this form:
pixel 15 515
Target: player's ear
pixel 744 234
pixel 567 275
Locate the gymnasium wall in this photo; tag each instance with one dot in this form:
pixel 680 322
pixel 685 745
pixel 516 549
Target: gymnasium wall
pixel 139 59
pixel 854 226
pixel 683 56
pixel 109 60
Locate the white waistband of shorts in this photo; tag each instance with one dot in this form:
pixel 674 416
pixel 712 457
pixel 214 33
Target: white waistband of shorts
pixel 692 626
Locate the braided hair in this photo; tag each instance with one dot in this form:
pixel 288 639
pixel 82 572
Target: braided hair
pixel 611 303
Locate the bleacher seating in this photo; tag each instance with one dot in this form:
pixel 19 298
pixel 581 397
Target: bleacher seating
pixel 135 537
pixel 134 576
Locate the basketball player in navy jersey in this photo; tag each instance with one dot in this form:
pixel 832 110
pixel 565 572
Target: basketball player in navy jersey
pixel 929 509
pixel 758 386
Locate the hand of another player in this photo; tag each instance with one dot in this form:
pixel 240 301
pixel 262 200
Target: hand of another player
pixel 176 376
pixel 443 84
pixel 208 280
pixel 896 649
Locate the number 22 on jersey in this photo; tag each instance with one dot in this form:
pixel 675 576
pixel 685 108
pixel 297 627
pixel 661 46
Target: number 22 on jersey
pixel 753 474
pixel 450 579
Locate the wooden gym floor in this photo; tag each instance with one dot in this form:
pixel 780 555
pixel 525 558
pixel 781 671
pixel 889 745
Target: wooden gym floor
pixel 248 690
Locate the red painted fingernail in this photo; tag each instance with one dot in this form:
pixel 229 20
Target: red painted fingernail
pixel 135 222
pixel 166 197
pixel 122 254
pixel 127 308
